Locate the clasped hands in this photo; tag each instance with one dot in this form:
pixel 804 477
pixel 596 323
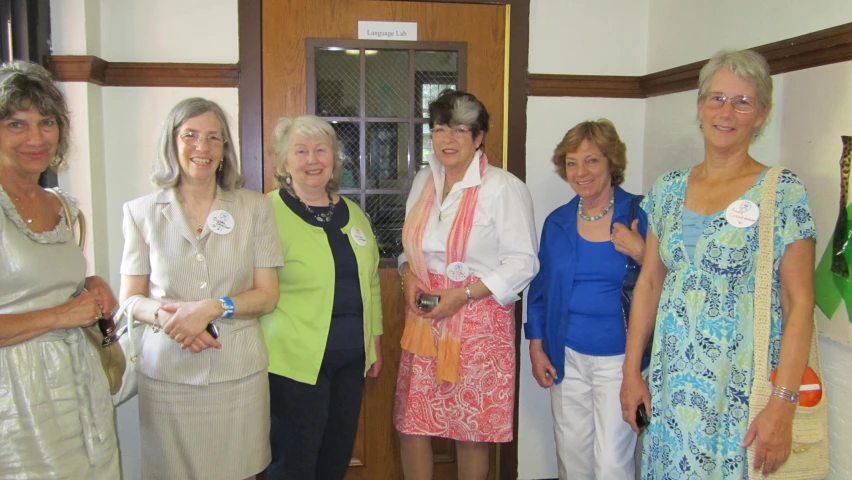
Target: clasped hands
pixel 186 323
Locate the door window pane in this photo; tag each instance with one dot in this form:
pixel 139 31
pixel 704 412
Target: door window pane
pixel 387 212
pixel 338 83
pixel 387 155
pixel 387 83
pixel 349 137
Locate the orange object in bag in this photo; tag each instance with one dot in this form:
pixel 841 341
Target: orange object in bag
pixel 810 391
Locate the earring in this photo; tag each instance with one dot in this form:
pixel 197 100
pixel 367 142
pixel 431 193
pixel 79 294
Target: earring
pixel 288 179
pixel 221 163
pixel 755 133
pixel 700 126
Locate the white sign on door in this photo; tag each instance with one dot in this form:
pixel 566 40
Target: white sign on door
pixel 406 31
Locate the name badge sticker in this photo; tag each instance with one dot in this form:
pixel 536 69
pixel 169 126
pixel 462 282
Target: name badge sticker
pixel 742 213
pixel 220 222
pixel 359 236
pixel 458 271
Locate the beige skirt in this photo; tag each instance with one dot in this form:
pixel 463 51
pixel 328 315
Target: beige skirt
pixel 217 431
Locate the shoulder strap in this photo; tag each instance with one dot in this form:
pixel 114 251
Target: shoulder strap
pixel 632 214
pixel 634 209
pixel 80 220
pixel 763 290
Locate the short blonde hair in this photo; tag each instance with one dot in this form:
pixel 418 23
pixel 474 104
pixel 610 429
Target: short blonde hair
pixel 166 172
pixel 603 134
pixel 309 126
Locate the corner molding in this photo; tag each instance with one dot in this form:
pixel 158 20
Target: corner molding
pixel 824 47
pixel 91 69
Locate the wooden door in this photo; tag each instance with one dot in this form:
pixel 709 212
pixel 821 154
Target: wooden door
pixel 286 26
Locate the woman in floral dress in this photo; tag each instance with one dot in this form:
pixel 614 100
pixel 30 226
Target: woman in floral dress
pixel 699 278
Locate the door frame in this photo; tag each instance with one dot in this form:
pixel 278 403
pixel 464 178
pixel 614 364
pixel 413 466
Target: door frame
pixel 250 93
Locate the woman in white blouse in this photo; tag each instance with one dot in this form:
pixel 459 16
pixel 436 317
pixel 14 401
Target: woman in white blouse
pixel 469 238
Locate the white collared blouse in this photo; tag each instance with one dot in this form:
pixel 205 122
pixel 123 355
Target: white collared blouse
pixel 503 247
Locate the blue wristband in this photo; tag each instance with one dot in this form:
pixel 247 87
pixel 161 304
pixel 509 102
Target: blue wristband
pixel 228 306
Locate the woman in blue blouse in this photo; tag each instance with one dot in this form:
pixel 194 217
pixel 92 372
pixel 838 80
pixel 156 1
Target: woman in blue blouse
pixel 574 320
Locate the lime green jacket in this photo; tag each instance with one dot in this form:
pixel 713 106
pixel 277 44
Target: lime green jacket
pixel 297 330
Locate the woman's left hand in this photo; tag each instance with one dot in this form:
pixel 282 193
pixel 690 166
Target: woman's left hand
pixel 628 240
pixel 376 367
pixel 189 319
pixel 98 287
pixel 452 299
pixel 772 428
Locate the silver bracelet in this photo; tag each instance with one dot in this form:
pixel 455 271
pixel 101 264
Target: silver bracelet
pixel 785 394
pixel 470 298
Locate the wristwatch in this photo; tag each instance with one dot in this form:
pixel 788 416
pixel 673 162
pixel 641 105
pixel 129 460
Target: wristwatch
pixel 227 306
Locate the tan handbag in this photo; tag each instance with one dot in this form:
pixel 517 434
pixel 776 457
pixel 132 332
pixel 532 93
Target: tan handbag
pixel 809 453
pixel 112 357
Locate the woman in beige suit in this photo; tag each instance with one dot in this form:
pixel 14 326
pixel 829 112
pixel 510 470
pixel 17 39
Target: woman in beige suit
pixel 204 252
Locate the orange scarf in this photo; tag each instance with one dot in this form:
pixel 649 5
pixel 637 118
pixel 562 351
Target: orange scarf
pixel 417 336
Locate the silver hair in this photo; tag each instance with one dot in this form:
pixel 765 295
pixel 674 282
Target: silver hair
pixel 309 126
pixel 746 64
pixel 465 112
pixel 26 85
pixel 166 172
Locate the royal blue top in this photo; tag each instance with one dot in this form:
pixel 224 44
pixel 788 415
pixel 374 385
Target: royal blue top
pixel 552 289
pixel 595 322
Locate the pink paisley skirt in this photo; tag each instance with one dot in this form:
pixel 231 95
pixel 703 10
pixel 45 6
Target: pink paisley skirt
pixel 477 409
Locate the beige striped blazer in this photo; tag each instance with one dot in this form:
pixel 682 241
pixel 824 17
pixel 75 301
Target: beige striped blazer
pixel 159 242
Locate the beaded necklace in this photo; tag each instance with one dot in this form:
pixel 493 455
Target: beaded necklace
pixel 599 216
pixel 323 217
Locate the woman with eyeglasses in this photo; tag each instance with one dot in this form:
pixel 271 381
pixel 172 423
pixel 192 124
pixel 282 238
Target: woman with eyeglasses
pixel 469 248
pixel 696 293
pixel 203 253
pixel 575 321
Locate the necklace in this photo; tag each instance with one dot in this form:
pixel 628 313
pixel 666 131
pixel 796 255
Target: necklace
pixel 18 201
pixel 599 216
pixel 321 217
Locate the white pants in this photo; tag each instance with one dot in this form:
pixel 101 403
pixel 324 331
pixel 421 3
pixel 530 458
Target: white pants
pixel 592 440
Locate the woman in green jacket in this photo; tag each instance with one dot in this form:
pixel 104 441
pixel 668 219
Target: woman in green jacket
pixel 325 332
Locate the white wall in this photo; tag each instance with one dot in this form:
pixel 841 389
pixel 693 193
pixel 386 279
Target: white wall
pixel 588 37
pixel 115 129
pixel 682 32
pixel 817 105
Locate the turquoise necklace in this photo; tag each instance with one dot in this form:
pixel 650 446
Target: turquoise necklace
pixel 598 216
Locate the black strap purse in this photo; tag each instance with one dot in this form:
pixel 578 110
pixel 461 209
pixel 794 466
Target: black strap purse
pixel 629 282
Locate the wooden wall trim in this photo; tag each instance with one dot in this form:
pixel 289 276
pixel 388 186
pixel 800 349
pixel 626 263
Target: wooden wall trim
pixel 87 68
pixel 251 92
pixel 832 45
pixel 547 85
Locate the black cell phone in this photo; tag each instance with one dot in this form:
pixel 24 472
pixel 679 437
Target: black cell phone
pixel 642 419
pixel 426 302
pixel 213 331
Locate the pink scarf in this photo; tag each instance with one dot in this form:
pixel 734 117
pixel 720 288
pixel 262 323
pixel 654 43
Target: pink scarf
pixel 417 335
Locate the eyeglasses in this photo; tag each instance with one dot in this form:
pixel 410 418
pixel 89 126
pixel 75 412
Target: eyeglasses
pixel 193 139
pixel 740 103
pixel 457 131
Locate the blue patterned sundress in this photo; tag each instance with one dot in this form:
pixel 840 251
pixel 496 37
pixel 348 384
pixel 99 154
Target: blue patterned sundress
pixel 701 365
